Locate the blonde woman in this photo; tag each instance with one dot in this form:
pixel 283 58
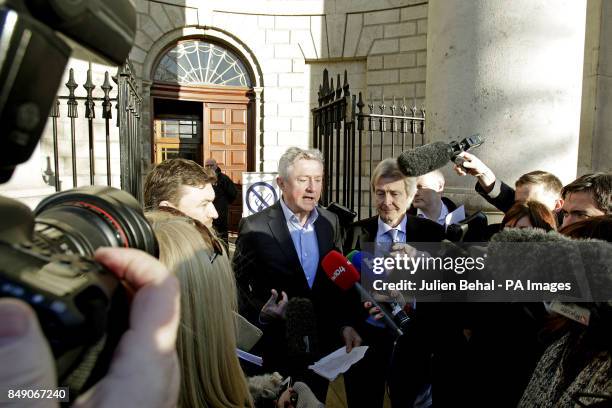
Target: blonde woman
pixel 211 375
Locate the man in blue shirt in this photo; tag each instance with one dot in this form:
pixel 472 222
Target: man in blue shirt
pixel 278 252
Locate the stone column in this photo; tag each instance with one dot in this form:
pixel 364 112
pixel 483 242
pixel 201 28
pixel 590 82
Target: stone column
pixel 595 153
pixel 259 141
pixel 510 71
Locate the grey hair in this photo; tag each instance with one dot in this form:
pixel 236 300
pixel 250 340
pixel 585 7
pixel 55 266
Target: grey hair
pixel 388 168
pixel 438 175
pixel 294 154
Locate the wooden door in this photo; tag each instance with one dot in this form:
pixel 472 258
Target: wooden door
pixel 225 127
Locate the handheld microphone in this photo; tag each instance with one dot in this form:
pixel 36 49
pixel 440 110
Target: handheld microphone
pixel 397 310
pixel 301 330
pixel 432 156
pixel 342 272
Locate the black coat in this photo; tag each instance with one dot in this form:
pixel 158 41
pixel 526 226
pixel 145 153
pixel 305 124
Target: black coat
pixel 266 258
pixel 503 201
pixel 417 230
pixel 225 194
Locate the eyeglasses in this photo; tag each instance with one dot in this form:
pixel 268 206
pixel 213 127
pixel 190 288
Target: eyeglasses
pixel 208 236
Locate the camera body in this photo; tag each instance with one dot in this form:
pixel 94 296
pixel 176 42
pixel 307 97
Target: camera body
pixel 82 307
pixel 46 256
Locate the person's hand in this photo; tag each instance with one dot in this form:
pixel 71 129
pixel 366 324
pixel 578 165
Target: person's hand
pixel 144 370
pixel 373 311
pixel 389 296
pixel 473 166
pixel 26 359
pixel 274 310
pixel 402 249
pixel 351 338
pixel 300 392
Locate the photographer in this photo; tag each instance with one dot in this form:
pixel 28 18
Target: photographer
pixel 144 370
pixel 75 307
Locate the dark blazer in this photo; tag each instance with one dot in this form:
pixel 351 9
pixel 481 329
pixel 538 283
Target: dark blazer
pixel 503 201
pixel 265 258
pixel 408 363
pixel 417 230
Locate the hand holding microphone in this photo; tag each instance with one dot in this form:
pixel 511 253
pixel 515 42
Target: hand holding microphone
pixel 342 272
pixel 395 299
pixel 473 166
pixel 432 156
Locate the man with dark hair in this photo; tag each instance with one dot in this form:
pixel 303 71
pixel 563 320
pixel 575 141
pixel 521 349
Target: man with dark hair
pixel 536 185
pixel 539 186
pixel 225 193
pixel 184 185
pixel 587 196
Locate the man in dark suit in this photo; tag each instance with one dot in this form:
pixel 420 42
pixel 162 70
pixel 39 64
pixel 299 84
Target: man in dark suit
pixel 278 252
pixel 225 194
pixel 408 376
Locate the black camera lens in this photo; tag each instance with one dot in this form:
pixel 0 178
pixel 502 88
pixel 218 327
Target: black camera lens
pixel 83 219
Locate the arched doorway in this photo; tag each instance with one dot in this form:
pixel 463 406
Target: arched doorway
pixel 203 106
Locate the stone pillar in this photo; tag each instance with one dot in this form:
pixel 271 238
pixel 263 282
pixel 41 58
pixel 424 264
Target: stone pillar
pixel 510 71
pixel 595 153
pixel 259 138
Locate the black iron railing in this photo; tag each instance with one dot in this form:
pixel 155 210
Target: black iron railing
pixel 354 141
pixel 128 104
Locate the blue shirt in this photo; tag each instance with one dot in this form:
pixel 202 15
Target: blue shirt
pixel 382 236
pixel 304 241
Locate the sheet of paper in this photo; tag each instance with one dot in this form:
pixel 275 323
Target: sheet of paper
pixel 251 358
pixel 338 362
pixel 456 216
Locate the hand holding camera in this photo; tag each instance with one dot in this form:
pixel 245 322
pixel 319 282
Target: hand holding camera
pixel 145 358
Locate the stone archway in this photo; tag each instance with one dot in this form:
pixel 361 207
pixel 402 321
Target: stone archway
pixel 218 102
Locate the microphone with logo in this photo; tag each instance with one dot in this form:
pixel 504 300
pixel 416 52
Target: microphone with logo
pixel 397 309
pixel 342 272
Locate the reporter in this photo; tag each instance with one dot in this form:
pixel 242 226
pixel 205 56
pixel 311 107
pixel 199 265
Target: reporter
pixel 144 370
pixel 210 370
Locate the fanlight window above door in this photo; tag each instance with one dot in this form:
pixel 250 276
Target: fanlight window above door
pixel 195 62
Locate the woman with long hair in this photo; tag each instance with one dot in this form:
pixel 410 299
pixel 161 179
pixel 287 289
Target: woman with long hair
pixel 211 375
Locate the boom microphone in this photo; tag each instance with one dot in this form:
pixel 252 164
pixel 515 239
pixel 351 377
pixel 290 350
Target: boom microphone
pixel 536 255
pixel 432 156
pixel 342 272
pixel 424 159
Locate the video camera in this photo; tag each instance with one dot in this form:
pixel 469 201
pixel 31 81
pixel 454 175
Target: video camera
pixel 47 256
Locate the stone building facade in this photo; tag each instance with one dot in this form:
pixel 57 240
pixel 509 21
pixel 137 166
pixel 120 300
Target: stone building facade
pixel 437 54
